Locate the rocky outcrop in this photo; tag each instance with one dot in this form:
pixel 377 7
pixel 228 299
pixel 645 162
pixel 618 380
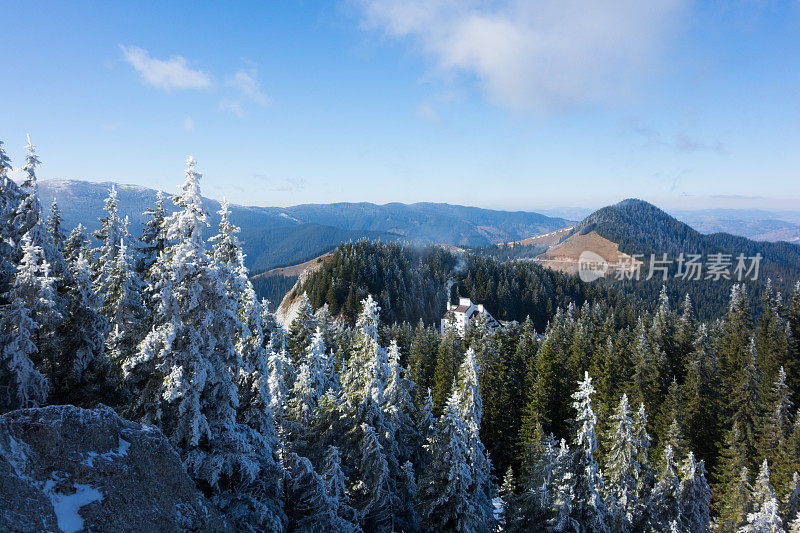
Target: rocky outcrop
pixel 63 468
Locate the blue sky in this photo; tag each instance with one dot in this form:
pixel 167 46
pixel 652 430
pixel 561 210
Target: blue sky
pixel 510 104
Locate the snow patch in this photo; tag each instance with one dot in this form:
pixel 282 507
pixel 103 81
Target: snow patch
pixel 66 506
pixel 121 451
pixel 286 215
pixel 497 504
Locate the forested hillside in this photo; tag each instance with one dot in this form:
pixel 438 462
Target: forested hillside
pixel 601 413
pixel 411 283
pixel 642 228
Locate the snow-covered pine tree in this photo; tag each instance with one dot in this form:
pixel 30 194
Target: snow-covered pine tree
pixel 27 215
pixel 34 289
pixel 794 527
pixel 183 372
pixel 308 506
pixel 21 385
pixel 27 218
pixel 737 501
pixel 123 306
pixel 77 244
pixel 666 504
pixel 82 336
pixel 468 397
pixel 625 482
pixel 791 505
pixel 336 488
pixel 10 197
pixel 777 432
pixel 695 496
pixel 302 328
pixel 399 408
pixel 647 475
pixel 403 440
pixel 538 483
pixel 445 489
pixel 54 225
pixel 304 396
pixel 367 370
pixel 153 241
pixel 505 513
pixel 562 496
pixel 111 236
pixel 765 517
pixel 372 491
pixel 252 377
pixel 588 508
pixel 281 381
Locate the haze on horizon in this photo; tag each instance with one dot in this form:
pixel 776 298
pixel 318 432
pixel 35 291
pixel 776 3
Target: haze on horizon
pixel 510 105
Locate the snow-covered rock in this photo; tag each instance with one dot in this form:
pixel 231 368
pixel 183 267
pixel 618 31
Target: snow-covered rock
pixel 68 469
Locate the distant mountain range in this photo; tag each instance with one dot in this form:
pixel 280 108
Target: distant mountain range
pixel 275 236
pixel 756 224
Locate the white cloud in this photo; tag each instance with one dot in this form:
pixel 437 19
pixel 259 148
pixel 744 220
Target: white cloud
pixel 535 54
pixel 247 84
pixel 232 106
pixel 188 124
pixel 172 73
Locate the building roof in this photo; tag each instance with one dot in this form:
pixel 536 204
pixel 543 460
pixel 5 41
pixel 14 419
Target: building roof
pixel 461 309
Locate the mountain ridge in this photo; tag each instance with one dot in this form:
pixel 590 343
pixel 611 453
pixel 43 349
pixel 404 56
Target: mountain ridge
pixel 279 235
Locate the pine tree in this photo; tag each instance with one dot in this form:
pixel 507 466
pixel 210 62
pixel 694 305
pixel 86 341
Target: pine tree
pixel 399 409
pixel 666 504
pixel 649 370
pixel 53 225
pixel 701 398
pixel 765 517
pixel 301 329
pixel 336 489
pixel 34 290
pixel 21 385
pixel 445 488
pixel 507 500
pixel 10 198
pixel 562 500
pixel 588 508
pixel 281 381
pixel 470 405
pixel 372 492
pixel 183 373
pixel 82 335
pixel 76 245
pixel 747 407
pixel 735 338
pixel 624 473
pixel 791 505
pixel 447 364
pixel 124 308
pixel 771 336
pixel 422 361
pixel 737 502
pixel 793 323
pixel 308 505
pixel 112 234
pixel 777 432
pixel 154 237
pixel 695 495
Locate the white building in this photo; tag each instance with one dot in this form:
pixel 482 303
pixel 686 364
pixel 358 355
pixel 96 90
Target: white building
pixel 462 315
